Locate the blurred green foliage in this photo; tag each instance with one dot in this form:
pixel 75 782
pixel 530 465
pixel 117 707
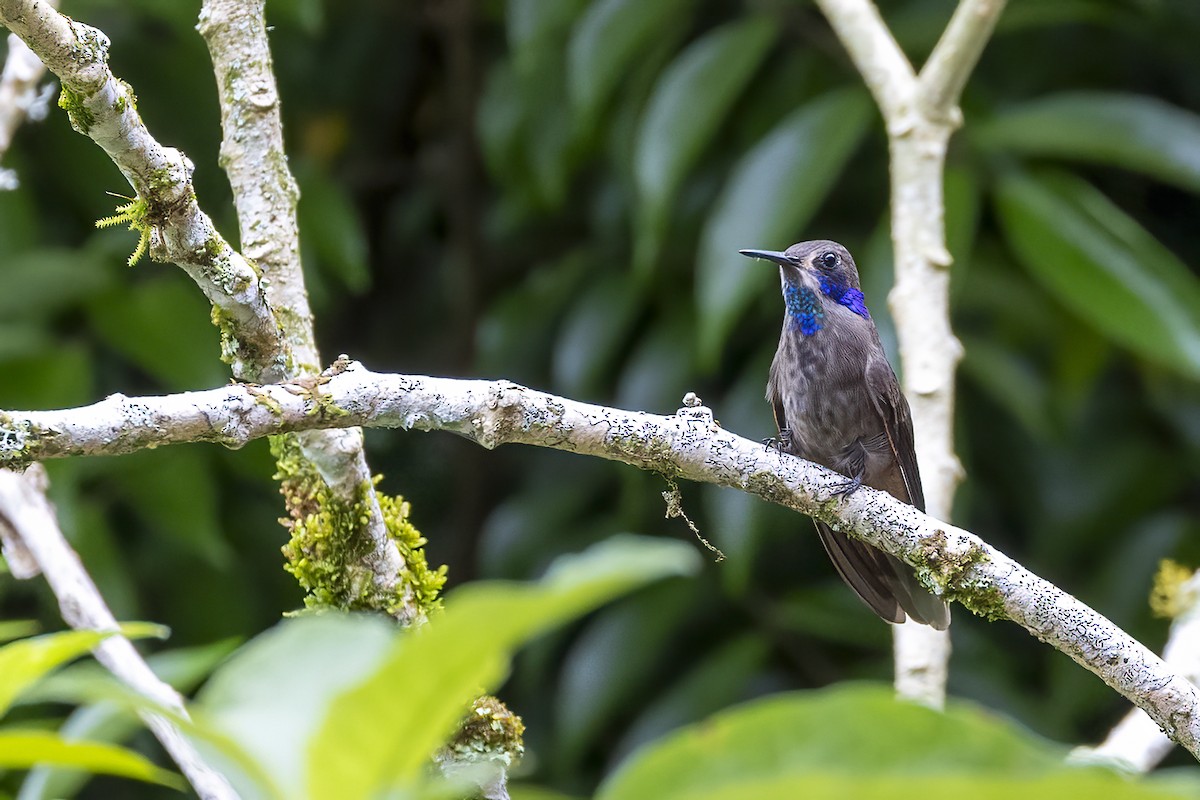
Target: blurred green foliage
pixel 552 192
pixel 24 664
pixel 842 742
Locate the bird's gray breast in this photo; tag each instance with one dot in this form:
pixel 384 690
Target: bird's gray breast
pixel 820 380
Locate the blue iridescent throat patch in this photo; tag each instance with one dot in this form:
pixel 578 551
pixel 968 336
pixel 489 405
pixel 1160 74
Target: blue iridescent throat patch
pixel 844 295
pixel 804 307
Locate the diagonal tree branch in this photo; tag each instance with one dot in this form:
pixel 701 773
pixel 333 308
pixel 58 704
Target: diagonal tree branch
pixel 105 109
pixel 253 157
pixel 27 517
pixel 256 344
pixel 954 57
pixel 884 68
pixel 1136 743
pixel 690 445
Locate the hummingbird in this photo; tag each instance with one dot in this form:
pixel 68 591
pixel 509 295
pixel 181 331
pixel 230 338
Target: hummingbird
pixel 837 402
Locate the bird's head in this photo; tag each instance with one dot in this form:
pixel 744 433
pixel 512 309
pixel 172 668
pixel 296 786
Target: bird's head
pixel 815 273
pixel 811 264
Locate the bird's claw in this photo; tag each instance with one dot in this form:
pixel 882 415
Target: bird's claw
pixel 779 443
pixel 849 487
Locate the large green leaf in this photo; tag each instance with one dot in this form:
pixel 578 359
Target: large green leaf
pixel 354 725
pixel 175 494
pixel 607 39
pixel 499 122
pixel 20 224
pixel 818 785
pixel 1103 265
pixel 425 683
pixel 729 674
pixel 859 741
pixel 773 192
pixel 525 127
pixel 16 628
pixel 1136 132
pixel 519 791
pixel 689 103
pixel 535 25
pixel 20 338
pixel 962 201
pixel 25 661
pixel 1011 381
pixel 57 377
pixel 273 693
pixel 22 749
pixel 592 334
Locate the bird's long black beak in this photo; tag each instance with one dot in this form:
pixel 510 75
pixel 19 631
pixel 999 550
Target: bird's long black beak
pixel 769 255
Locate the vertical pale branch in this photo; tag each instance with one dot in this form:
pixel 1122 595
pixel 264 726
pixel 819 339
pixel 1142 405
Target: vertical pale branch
pixel 27 517
pixel 266 194
pixel 921 112
pixel 252 155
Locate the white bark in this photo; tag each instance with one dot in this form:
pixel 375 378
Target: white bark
pixel 1136 743
pixel 253 157
pixel 920 113
pixel 688 445
pixel 27 517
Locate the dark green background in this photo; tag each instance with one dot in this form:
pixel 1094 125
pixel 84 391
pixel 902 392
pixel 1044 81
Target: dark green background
pixel 479 201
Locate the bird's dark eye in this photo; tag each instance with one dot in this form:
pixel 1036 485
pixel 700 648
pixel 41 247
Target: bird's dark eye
pixel 829 260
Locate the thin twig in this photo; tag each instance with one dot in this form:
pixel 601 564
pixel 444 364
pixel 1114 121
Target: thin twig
pixel 28 517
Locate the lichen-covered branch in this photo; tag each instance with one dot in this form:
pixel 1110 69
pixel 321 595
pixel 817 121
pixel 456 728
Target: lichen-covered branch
pixel 258 344
pixel 104 108
pixel 921 112
pixel 27 517
pixel 252 154
pixel 689 445
pixel 266 194
pixel 1136 743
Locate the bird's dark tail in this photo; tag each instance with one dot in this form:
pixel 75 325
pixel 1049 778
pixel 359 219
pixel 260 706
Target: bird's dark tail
pixel 884 582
